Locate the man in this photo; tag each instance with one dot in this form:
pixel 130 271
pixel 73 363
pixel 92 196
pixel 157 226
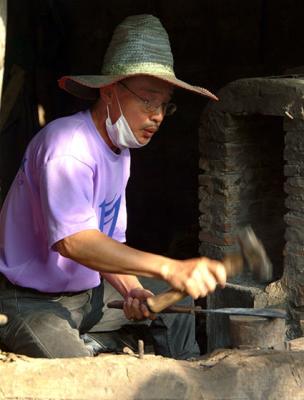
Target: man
pixel 63 222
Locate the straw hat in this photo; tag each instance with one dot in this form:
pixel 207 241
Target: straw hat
pixel 139 46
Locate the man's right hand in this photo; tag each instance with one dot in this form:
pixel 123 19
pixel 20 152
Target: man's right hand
pixel 198 276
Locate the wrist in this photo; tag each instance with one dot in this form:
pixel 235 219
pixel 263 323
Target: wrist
pixel 131 289
pixel 167 270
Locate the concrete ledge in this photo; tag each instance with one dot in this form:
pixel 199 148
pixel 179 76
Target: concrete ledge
pixel 229 374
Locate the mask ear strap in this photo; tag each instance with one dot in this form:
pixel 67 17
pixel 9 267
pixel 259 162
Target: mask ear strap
pixel 118 101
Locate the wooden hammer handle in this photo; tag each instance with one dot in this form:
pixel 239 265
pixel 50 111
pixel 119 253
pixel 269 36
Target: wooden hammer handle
pixel 233 264
pixel 163 300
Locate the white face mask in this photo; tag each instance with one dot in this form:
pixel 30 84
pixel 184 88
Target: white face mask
pixel 120 133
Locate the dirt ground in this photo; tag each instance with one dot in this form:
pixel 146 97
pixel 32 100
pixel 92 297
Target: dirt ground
pixel 226 374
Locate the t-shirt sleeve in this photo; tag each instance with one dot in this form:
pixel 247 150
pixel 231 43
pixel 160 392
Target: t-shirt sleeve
pixel 66 192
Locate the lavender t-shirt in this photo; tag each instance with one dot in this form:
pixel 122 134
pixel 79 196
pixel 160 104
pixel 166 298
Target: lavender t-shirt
pixel 69 181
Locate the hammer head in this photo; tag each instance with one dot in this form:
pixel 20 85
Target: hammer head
pixel 255 254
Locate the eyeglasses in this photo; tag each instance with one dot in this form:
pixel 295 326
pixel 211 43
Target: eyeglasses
pixel 151 106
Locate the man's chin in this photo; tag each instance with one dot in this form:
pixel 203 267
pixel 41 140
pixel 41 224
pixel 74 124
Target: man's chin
pixel 144 140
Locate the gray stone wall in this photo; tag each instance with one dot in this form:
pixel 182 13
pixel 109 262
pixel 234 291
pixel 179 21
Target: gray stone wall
pixel 252 172
pixel 242 182
pixel 294 218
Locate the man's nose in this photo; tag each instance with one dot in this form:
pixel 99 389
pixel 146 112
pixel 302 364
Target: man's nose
pixel 158 115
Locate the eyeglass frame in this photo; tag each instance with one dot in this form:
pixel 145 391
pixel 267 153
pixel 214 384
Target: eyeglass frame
pixel 149 108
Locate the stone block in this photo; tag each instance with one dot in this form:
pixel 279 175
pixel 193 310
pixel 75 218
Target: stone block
pixel 208 223
pixel 293 189
pixel 293 154
pixel 295 170
pixel 218 238
pixel 217 151
pixel 295 248
pixel 295 262
pixel 220 218
pixel 294 220
pixel 231 199
pixel 293 125
pixel 291 170
pixel 234 164
pixel 295 234
pixel 263 333
pixel 221 183
pixel 295 344
pixel 234 295
pixel 294 137
pixel 278 96
pixel 296 181
pixel 225 127
pixel 296 205
pixel 205 219
pixel 215 251
pixel 207 182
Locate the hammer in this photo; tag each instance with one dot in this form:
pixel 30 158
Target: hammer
pixel 251 253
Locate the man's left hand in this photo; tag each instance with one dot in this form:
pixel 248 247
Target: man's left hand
pixel 134 307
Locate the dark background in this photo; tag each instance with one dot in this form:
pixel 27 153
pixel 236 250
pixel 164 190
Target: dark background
pixel 213 42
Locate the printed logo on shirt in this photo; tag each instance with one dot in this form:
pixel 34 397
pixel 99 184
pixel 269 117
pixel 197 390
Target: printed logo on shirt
pixel 109 214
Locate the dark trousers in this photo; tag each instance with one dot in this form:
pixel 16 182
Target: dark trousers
pixel 50 325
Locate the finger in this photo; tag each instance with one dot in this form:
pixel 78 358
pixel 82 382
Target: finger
pixel 144 310
pixel 203 275
pixel 136 311
pixel 140 293
pixel 132 308
pixel 219 272
pixel 127 308
pixel 216 268
pixel 146 313
pixel 196 288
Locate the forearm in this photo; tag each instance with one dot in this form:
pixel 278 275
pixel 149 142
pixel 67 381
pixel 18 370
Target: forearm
pixel 97 251
pixel 122 283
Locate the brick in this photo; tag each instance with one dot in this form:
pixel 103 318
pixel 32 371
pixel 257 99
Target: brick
pixel 220 200
pixel 294 220
pixel 296 181
pixel 296 262
pixel 294 170
pixel 217 151
pixel 293 153
pixel 217 238
pixel 205 220
pixel 295 137
pixel 214 251
pixel 293 124
pixel 295 234
pixel 294 248
pixel 297 205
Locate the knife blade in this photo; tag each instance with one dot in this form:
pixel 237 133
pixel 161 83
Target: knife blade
pixel 255 312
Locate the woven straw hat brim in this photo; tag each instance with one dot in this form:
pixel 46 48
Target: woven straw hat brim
pixel 86 86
